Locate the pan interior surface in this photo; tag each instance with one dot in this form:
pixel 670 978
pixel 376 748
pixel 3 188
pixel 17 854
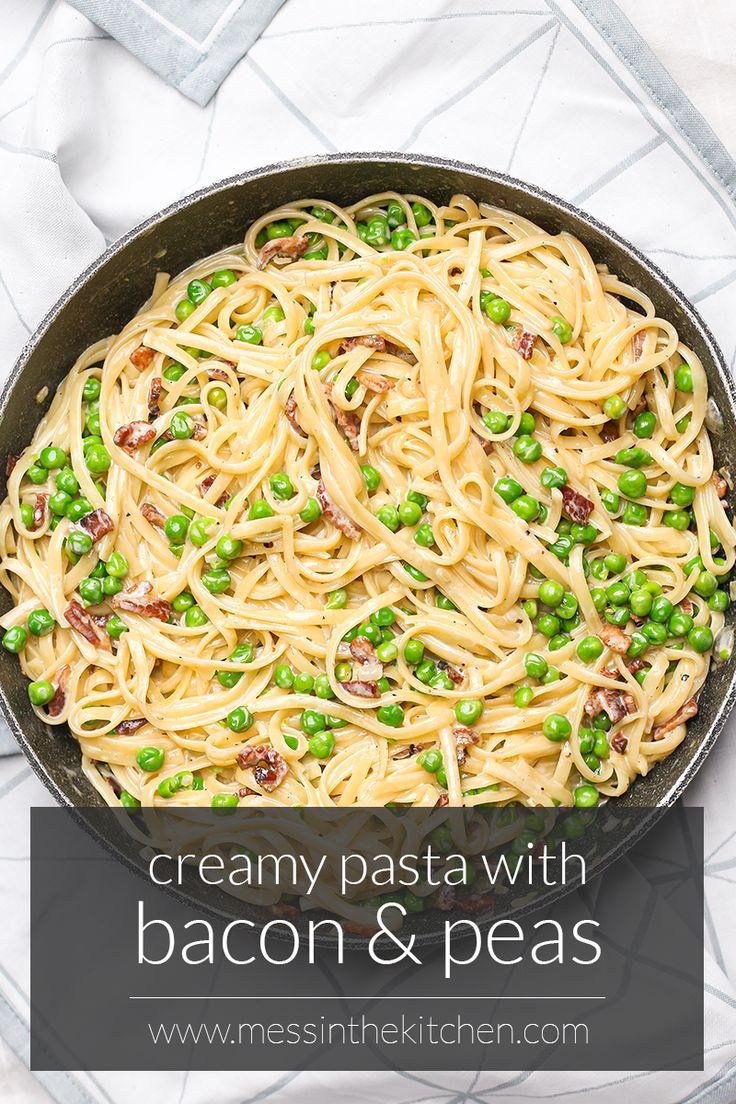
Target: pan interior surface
pixel 104 298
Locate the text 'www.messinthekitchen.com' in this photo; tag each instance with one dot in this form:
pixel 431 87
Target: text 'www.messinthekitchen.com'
pixel 361 1031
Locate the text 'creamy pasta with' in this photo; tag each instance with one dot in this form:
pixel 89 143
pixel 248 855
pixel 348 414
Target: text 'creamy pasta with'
pixel 391 504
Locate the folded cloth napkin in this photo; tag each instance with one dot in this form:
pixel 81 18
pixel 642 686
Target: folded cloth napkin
pixel 191 45
pixel 92 142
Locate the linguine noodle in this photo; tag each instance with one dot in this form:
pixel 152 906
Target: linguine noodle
pixel 476 555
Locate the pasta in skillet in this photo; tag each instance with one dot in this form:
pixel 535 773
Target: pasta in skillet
pixel 394 503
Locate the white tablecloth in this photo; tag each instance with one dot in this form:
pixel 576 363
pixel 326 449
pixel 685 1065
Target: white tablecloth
pixel 91 142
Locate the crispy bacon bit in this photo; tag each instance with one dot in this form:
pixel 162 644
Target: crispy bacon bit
pixel 524 341
pixel 142 357
pixel 132 724
pixel 290 410
pixel 39 510
pixel 484 443
pixel 154 394
pixel 362 689
pixel 453 673
pixel 200 432
pixel 246 791
pixel 87 626
pixel 609 432
pixel 362 650
pixel 269 768
pixel 293 248
pixel 441 801
pixel 348 421
pixel 443 897
pixel 576 505
pixel 10 462
pixel 373 382
pixel 720 484
pixel 98 524
pixel 337 516
pixel 637 343
pixel 615 639
pixel 687 606
pixel 206 483
pixel 619 742
pixel 408 751
pixel 60 684
pixel 683 714
pixel 217 374
pixel 464 737
pixel 370 341
pixel 153 515
pixel 616 704
pixel 134 435
pixel 138 599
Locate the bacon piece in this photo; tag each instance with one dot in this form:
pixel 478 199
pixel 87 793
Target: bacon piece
pixel 61 685
pixel 616 704
pixel 408 751
pixel 632 665
pixel 402 354
pixel 142 357
pixel 576 505
pixel 217 374
pixel 293 248
pixel 615 639
pixel 98 524
pixel 453 673
pixel 10 462
pixel 609 432
pixel 373 382
pixel 269 768
pixel 348 421
pixel 524 341
pixel 464 737
pixel 484 443
pixel 154 394
pixel 86 626
pixel 132 724
pixel 683 714
pixel 138 599
pixel 637 344
pixel 337 516
pixel 687 606
pixel 362 689
pixel 362 650
pixel 443 897
pixel 619 742
pixel 153 515
pixel 720 484
pixel 39 510
pixel 133 436
pixel 290 410
pixel 246 791
pixel 370 341
pixel 441 801
pixel 200 432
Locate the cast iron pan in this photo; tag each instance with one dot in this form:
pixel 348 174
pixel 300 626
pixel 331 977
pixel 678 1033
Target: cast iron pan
pixel 112 289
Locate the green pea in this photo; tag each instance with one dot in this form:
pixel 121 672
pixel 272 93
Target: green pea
pixel 598 595
pixel 150 759
pixel 283 676
pixel 682 424
pixel 632 483
pixel 15 639
pixel 661 610
pixel 91 390
pixel 115 626
pixel 303 683
pixel 216 581
pixel 498 310
pixel 175 528
pixel 414 573
pixel 198 531
pixel 705 584
pixel 377 231
pixel 586 740
pixel 217 397
pixel 645 424
pixel 551 675
pixel 183 309
pixel 610 500
pixel 97 459
pixel 676 519
pixel 183 602
pixel 619 616
pixel 224 277
pixel 718 601
pixel 530 608
pixel 431 760
pixel 251 335
pixel 641 602
pixel 37 474
pixel 311 722
pixel 615 562
pixel 424 535
pixel 508 489
pixel 618 593
pixel 259 510
pixel 527 449
pixel 228 548
pixel 224 804
pixel 320 360
pixel 78 543
pixel 414 651
pixel 52 457
pixel 599 570
pixel 420 499
pixel 548 624
pixel 639 644
pixel 175 371
pixel 586 796
pixel 684 378
pixel 273 314
pixel 561 329
pixel 26 515
pixel 654 632
pixel 198 290
pixel 128 801
pixel 195 618
pixel 589 649
pixel 336 599
pixel 634 514
pixel 633 457
pixel 559 640
pixel 551 593
pixel 322 744
pixel 67 481
pixel 111 585
pixel 562 547
pixel 240 719
pixel 442 602
pixel 535 665
pixel 614 407
pixel 40 692
pixel 311 511
pixel 322 688
pixel 389 516
pixel 553 477
pixel 468 711
pixel 556 727
pixel 523 697
pixel 371 478
pixel 59 502
pixel 496 420
pixel 91 591
pixel 181 426
pixel 403 238
pixel 391 715
pixel 409 513
pixel 700 637
pixel 526 507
